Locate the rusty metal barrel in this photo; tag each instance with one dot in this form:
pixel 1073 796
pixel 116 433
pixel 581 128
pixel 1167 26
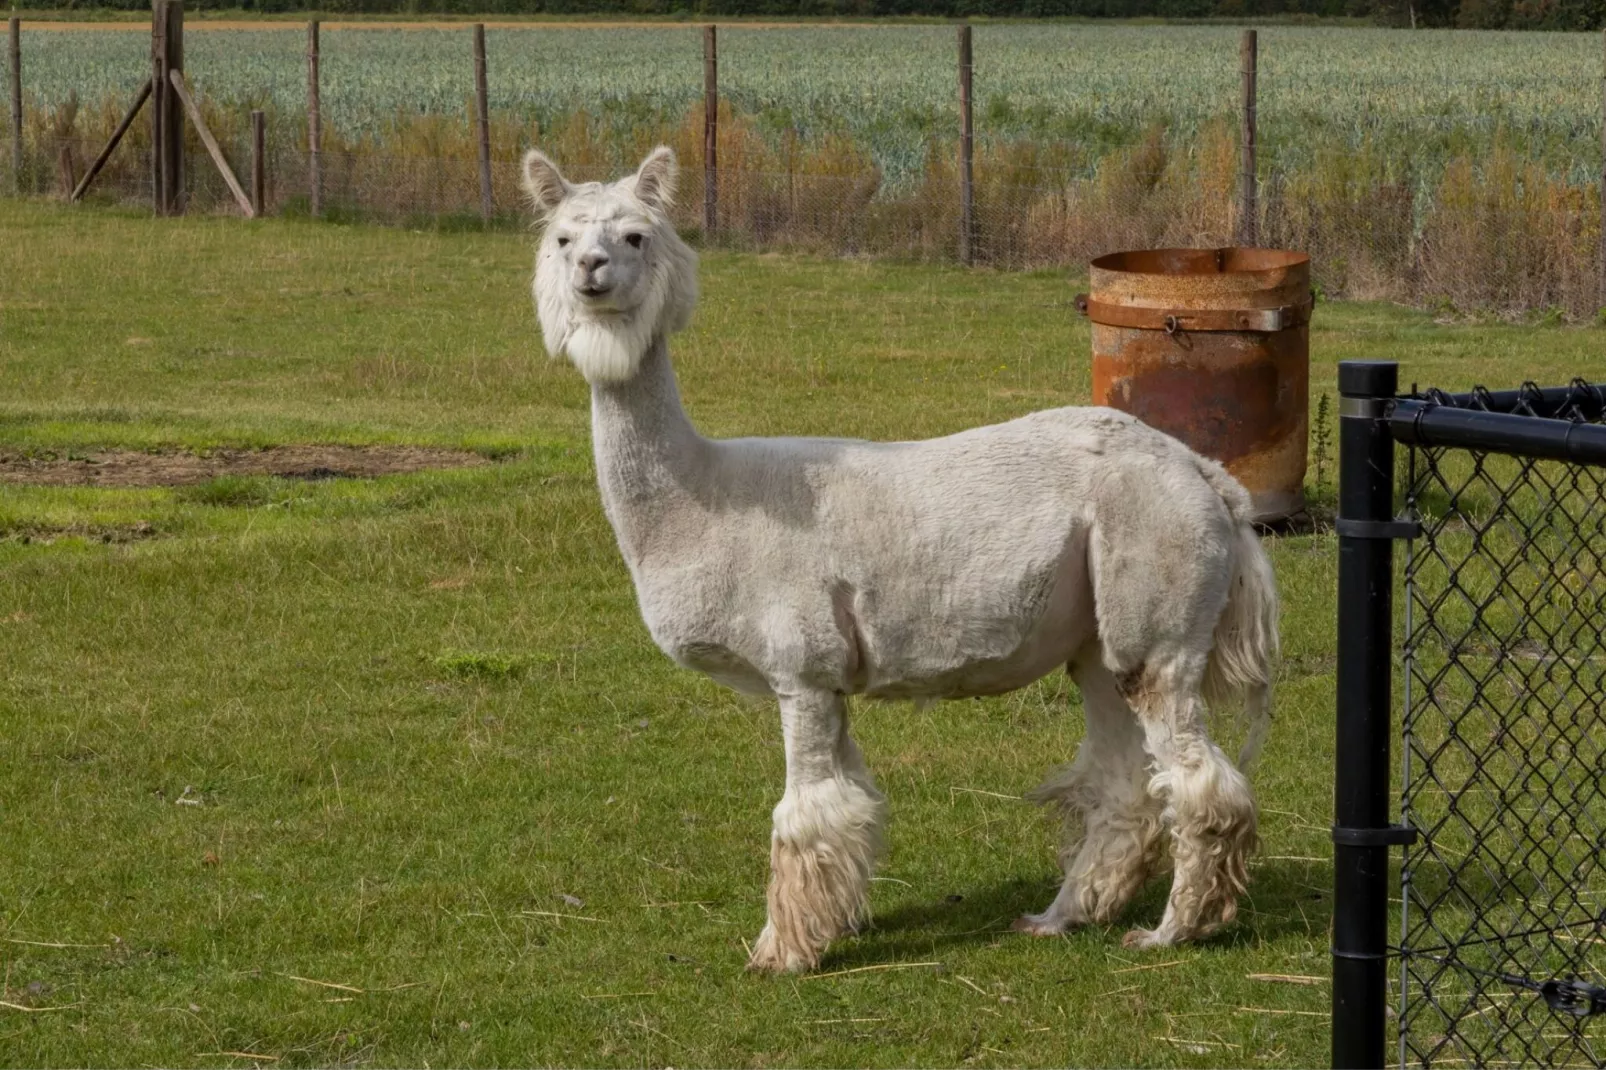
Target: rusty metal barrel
pixel 1211 346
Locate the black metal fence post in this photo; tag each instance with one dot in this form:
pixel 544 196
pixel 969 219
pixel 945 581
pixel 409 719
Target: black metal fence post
pixel 1506 494
pixel 1361 832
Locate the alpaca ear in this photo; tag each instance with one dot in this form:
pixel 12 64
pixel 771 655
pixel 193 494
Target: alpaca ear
pixel 655 179
pixel 543 182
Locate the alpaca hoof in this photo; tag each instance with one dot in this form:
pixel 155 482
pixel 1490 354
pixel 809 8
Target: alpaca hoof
pixel 770 957
pixel 776 965
pixel 1138 939
pixel 1039 925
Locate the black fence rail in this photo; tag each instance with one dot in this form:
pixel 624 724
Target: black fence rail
pixel 1501 952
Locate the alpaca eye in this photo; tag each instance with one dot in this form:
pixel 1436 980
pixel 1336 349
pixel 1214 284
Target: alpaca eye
pixel 562 242
pixel 634 240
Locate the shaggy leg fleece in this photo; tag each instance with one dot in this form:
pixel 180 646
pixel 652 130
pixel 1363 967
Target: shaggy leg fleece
pixel 1112 823
pixel 1212 817
pixel 826 840
pixel 1118 849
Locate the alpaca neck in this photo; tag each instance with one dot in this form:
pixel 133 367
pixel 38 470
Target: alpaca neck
pixel 647 452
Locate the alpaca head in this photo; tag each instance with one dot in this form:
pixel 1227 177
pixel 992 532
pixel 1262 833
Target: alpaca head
pixel 611 274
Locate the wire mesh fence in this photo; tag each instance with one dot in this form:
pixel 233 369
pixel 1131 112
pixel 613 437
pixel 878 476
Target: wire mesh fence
pixel 1503 932
pixel 1366 244
pixel 1038 219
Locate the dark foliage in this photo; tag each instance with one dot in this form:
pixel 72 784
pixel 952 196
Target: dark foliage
pixel 1476 14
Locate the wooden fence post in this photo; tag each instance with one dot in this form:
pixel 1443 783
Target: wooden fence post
pixel 1248 212
pixel 14 24
pixel 178 198
pixel 167 57
pixel 159 95
pixel 967 190
pixel 482 109
pixel 66 175
pixel 259 162
pixel 314 123
pixel 710 132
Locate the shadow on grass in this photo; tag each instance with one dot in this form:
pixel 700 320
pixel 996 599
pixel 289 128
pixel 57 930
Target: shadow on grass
pixel 1285 899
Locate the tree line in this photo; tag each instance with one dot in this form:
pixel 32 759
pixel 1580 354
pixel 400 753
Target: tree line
pixel 1467 14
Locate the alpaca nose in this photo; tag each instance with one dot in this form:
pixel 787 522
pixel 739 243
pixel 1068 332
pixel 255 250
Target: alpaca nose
pixel 593 260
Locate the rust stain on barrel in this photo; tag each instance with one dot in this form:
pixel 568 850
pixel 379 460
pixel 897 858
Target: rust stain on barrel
pixel 1240 397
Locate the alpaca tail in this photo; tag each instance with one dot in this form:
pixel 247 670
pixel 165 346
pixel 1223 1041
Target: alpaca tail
pixel 1243 658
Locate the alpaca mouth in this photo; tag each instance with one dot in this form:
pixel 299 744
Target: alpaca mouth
pixel 594 291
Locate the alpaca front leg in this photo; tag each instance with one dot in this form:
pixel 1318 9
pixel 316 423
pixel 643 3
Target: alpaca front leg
pixel 827 834
pixel 1212 816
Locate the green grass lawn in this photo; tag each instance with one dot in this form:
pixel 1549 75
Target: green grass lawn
pixel 389 773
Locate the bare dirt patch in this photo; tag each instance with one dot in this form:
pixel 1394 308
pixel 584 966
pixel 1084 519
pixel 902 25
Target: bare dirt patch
pixel 44 535
pixel 129 468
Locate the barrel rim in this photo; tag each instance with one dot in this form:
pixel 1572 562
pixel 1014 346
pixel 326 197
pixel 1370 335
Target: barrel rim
pixel 1271 261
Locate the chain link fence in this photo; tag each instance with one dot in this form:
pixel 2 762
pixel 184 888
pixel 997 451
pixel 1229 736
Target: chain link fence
pixel 1502 921
pixel 1505 748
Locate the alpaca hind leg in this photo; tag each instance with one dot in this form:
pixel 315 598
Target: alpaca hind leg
pixel 827 834
pixel 1209 809
pixel 1112 823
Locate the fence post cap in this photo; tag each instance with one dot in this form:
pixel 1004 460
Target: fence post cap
pixel 1368 378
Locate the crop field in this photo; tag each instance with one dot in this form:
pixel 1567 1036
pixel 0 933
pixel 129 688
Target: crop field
pixel 311 770
pixel 1422 97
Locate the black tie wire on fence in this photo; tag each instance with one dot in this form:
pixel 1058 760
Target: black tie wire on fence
pixel 1577 998
pixel 1502 769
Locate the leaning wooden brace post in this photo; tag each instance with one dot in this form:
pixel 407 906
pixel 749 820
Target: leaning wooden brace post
pixel 967 190
pixel 482 118
pixel 1248 211
pixel 111 143
pixel 14 64
pixel 314 122
pixel 710 132
pixel 259 162
pixel 211 144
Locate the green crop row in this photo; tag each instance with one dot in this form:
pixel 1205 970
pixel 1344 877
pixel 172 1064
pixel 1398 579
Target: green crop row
pixel 1416 99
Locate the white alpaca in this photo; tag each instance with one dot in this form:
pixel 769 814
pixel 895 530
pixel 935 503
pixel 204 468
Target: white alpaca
pixel 815 569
